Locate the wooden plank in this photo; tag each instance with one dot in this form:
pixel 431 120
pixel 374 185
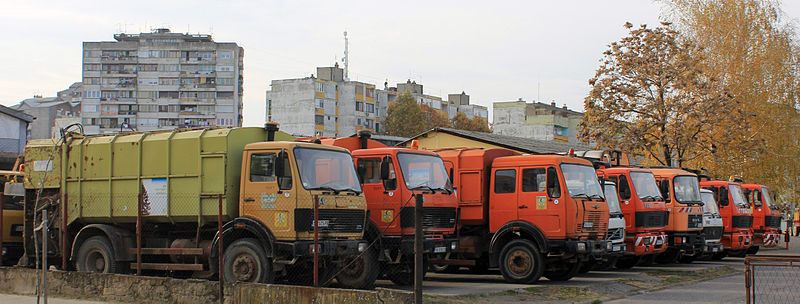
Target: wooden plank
pixel 169 266
pixel 169 251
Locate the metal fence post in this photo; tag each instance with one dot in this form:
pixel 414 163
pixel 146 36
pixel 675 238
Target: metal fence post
pixel 2 231
pixel 316 240
pixel 747 279
pixel 418 249
pixel 64 249
pixel 220 245
pixel 139 234
pixel 44 254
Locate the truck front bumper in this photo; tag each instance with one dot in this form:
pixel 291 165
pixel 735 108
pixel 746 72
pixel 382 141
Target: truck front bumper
pixel 11 253
pixel 326 248
pixel 712 247
pixel 430 246
pixel 687 242
pixel 594 248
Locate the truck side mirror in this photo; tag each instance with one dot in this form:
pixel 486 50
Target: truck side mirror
pixel 283 171
pixel 553 187
pixel 385 168
pixel 361 170
pixel 757 198
pixel 389 182
pixel 723 196
pixel 624 188
pixel 663 186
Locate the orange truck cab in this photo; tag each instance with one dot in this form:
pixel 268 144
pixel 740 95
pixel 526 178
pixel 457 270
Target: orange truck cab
pixel 766 217
pixel 390 176
pixel 646 216
pixel 529 215
pixel 737 217
pixel 681 191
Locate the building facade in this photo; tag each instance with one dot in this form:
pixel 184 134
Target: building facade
pixel 455 103
pixel 13 135
pixel 536 120
pixel 325 105
pixel 53 113
pixel 160 80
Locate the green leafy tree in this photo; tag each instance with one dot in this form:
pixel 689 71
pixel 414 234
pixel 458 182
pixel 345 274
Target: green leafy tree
pixel 461 121
pixel 405 117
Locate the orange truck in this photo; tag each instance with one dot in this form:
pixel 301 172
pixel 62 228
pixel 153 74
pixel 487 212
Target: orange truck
pixel 529 215
pixel 681 191
pixel 766 217
pixel 646 216
pixel 390 176
pixel 737 217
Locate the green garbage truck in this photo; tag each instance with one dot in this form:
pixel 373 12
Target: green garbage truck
pixel 151 201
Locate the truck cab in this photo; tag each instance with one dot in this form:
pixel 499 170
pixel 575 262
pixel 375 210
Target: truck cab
pixel 766 217
pixel 681 192
pixel 712 223
pixel 616 230
pixel 390 177
pixel 12 197
pixel 645 213
pixel 737 216
pixel 529 215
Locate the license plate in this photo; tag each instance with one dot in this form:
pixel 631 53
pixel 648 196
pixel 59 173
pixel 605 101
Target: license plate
pixel 322 224
pixel 715 249
pixel 440 250
pixel 617 248
pixel 588 225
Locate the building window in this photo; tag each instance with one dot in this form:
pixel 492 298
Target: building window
pixel 320 87
pixel 319 119
pixel 91 80
pixel 369 123
pixel 224 81
pixel 370 108
pixel 319 103
pixel 224 68
pixel 359 106
pixel 225 55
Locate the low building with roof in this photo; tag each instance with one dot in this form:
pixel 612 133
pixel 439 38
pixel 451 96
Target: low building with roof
pixel 441 138
pixel 13 135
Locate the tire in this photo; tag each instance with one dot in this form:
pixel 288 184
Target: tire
pixel 566 272
pixel 753 249
pixel 607 265
pixel 737 253
pixel 444 268
pixel 246 261
pixel 688 259
pixel 647 260
pixel 520 262
pixel 719 256
pixel 627 262
pixel 668 257
pixel 359 272
pixel 402 274
pixel 97 255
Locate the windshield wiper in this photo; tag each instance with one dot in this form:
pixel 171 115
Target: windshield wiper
pixel 580 195
pixel 597 196
pixel 651 198
pixel 324 188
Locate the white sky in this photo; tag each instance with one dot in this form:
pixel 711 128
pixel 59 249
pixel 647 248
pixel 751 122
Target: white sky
pixel 493 50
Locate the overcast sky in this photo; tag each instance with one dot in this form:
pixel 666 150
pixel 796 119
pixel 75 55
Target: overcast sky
pixel 492 50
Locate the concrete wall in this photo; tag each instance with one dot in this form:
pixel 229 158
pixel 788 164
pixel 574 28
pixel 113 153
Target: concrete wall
pixel 133 289
pixel 293 105
pixel 13 134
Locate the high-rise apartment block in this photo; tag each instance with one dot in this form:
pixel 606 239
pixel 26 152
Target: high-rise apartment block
pixel 161 80
pixel 536 120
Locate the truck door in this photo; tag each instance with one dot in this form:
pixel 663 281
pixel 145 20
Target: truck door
pixel 260 196
pixel 383 199
pixel 503 199
pixel 533 203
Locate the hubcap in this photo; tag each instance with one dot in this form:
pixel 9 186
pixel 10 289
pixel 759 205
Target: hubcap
pixel 96 262
pixel 244 268
pixel 519 262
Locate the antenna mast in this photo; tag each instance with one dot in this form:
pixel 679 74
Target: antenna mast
pixel 346 59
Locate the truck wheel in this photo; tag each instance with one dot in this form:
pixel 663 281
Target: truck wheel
pixel 627 262
pixel 753 250
pixel 647 260
pixel 444 268
pixel 246 261
pixel 360 272
pixel 565 272
pixel 96 255
pixel 606 265
pixel 688 259
pixel 403 274
pixel 521 262
pixel 668 257
pixel 718 256
pixel 737 253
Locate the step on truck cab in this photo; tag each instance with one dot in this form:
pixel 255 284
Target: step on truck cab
pixel 712 224
pixel 390 177
pixel 681 191
pixel 529 215
pixel 737 216
pixel 766 217
pixel 645 214
pixel 98 187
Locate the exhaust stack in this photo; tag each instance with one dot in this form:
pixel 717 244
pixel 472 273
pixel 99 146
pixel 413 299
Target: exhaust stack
pixel 271 128
pixel 364 137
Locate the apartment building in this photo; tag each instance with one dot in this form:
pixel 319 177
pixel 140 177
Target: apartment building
pixel 536 120
pixel 327 104
pixel 53 113
pixel 161 80
pixel 454 104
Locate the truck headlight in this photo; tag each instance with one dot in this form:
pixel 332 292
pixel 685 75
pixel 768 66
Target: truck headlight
pixel 659 241
pixel 683 240
pixel 362 247
pixel 311 248
pixel 453 246
pixel 609 246
pixel 581 247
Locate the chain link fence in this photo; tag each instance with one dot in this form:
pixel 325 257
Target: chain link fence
pixel 772 279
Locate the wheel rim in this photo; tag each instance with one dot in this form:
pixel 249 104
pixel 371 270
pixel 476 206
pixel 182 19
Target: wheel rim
pixel 245 268
pixel 519 262
pixel 95 262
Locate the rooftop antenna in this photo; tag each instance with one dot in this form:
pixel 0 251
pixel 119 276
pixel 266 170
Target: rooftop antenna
pixel 346 59
pixel 538 89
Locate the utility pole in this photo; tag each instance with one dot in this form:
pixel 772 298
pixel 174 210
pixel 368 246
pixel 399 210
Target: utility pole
pixel 418 248
pixel 346 58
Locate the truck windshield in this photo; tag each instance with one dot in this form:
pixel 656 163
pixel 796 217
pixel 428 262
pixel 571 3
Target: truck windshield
pixel 612 199
pixel 645 185
pixel 423 170
pixel 687 189
pixel 768 198
pixel 582 181
pixel 709 204
pixel 738 196
pixel 322 169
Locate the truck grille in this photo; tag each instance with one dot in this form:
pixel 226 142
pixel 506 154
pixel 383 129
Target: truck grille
pixel 432 217
pixel 742 221
pixel 772 221
pixel 695 220
pixel 615 234
pixel 330 220
pixel 649 219
pixel 713 233
pixel 599 223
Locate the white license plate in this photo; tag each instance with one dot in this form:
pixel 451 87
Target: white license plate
pixel 715 249
pixel 588 225
pixel 322 223
pixel 440 250
pixel 617 248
